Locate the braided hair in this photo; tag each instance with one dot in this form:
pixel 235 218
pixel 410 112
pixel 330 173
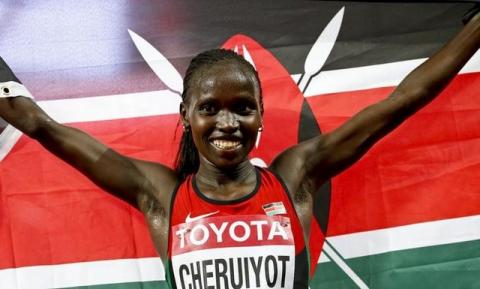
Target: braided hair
pixel 188 160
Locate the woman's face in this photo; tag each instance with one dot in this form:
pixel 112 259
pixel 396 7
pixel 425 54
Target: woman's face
pixel 223 112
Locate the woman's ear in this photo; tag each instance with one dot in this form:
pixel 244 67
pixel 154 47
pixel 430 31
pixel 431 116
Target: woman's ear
pixel 184 116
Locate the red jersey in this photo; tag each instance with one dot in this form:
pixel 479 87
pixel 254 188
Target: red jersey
pixel 252 242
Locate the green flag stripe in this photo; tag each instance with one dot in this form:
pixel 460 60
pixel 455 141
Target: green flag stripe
pixel 444 266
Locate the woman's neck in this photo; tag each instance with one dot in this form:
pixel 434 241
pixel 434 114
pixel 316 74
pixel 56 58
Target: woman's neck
pixel 226 184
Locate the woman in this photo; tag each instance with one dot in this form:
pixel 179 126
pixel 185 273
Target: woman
pixel 217 221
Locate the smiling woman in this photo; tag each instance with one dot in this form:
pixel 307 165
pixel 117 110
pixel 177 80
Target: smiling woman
pixel 217 220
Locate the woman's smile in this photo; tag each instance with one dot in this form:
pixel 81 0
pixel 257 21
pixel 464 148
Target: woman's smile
pixel 226 145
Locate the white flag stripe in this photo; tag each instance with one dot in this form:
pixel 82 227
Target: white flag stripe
pixel 110 107
pixel 358 78
pixel 407 237
pixel 83 274
pixel 165 102
pixel 366 77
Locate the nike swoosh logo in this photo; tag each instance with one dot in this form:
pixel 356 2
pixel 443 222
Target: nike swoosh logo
pixel 189 219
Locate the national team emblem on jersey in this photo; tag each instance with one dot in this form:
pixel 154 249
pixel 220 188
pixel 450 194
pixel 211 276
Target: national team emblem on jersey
pixel 273 209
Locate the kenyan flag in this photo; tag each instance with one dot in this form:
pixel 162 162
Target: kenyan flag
pixel 407 215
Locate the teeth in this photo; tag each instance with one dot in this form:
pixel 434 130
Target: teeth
pixel 226 144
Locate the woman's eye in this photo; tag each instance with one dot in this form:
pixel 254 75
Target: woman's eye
pixel 244 108
pixel 207 108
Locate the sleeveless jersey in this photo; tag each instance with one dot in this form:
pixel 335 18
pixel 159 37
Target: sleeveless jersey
pixel 252 242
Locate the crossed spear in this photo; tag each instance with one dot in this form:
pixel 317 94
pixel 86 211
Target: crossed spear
pixel 314 62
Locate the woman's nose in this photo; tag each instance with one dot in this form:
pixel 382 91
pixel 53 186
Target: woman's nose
pixel 227 121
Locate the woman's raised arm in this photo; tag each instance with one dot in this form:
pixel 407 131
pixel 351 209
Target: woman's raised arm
pixel 314 161
pixel 140 183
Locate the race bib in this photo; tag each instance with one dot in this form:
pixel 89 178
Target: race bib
pixel 233 252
